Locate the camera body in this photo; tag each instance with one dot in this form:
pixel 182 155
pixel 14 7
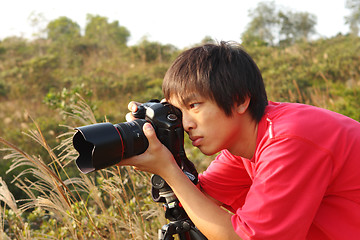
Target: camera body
pixel 167 122
pixel 102 145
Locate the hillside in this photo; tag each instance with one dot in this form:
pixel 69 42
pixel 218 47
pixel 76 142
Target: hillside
pixel 43 82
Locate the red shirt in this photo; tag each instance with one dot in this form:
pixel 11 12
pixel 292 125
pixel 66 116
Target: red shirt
pixel 303 181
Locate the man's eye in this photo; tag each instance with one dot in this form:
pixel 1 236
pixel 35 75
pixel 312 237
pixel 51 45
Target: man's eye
pixel 194 105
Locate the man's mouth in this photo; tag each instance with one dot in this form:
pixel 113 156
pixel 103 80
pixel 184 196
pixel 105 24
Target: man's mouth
pixel 196 140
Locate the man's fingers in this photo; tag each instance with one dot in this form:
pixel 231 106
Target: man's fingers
pixel 129 117
pixel 133 106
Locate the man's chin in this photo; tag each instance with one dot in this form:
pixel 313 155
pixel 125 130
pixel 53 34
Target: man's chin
pixel 207 152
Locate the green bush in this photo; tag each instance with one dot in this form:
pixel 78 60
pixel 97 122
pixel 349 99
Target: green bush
pixel 40 87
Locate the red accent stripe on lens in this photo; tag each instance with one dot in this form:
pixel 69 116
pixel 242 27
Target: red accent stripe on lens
pixel 122 143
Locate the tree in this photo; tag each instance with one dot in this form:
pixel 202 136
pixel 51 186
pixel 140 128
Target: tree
pixel 354 18
pixel 263 25
pixel 38 23
pixel 304 25
pixel 207 39
pixel 296 26
pixel 287 26
pixel 100 31
pixel 63 30
pixel 269 26
pixel 149 51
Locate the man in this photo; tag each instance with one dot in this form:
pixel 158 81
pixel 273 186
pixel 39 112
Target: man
pixel 285 171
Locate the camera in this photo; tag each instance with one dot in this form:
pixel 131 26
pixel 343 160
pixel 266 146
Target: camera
pixel 102 145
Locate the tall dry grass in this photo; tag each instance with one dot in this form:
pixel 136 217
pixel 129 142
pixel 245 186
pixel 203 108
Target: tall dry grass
pixel 114 203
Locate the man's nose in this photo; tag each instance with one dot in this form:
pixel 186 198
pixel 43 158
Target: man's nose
pixel 188 122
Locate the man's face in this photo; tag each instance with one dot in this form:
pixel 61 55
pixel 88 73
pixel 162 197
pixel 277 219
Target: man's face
pixel 208 127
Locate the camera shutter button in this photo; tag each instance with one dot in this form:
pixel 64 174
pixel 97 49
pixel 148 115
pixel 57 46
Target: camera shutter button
pixel 172 117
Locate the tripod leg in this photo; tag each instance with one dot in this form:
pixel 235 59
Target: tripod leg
pixel 164 233
pixel 167 232
pixel 185 236
pixel 195 234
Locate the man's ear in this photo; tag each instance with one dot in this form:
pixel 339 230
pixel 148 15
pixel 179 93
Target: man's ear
pixel 241 108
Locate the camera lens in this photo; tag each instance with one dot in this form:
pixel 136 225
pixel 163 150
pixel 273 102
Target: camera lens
pixel 103 144
pixel 133 138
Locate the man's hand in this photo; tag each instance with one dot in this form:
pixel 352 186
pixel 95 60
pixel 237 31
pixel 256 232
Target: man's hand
pixel 133 107
pixel 157 159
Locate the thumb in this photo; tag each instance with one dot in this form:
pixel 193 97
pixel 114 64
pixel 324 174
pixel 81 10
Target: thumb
pixel 150 134
pixel 149 130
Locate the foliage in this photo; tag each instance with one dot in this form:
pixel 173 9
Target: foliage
pixel 109 204
pixel 263 23
pixel 354 18
pixel 41 81
pixel 308 72
pixel 296 26
pixel 63 30
pixel 147 51
pixel 267 21
pixel 103 33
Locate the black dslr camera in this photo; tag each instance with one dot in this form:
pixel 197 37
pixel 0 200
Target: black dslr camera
pixel 102 145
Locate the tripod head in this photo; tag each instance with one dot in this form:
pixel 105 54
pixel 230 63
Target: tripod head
pixel 179 223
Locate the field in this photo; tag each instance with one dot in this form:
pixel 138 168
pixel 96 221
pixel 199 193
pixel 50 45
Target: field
pixel 48 88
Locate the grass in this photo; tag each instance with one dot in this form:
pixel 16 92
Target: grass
pixel 114 203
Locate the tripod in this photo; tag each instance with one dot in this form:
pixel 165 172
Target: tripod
pixel 179 222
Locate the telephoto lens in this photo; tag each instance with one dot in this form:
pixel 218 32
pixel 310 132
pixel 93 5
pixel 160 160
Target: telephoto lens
pixel 102 145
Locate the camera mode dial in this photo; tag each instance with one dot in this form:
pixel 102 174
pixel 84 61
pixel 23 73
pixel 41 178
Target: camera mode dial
pixel 172 117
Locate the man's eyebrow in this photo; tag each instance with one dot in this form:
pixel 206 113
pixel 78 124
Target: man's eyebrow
pixel 189 98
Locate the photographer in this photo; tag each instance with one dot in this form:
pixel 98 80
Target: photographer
pixel 285 171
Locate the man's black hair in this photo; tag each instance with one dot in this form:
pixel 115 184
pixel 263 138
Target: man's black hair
pixel 222 72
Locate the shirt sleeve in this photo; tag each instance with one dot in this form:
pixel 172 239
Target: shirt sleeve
pixel 291 177
pixel 226 180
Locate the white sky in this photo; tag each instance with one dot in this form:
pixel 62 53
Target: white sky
pixel 181 23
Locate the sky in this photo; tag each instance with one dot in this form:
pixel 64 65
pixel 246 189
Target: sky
pixel 180 23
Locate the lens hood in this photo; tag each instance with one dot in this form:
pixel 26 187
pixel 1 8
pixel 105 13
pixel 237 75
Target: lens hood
pixel 99 146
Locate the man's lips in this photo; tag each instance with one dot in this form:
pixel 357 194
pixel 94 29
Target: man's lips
pixel 196 141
